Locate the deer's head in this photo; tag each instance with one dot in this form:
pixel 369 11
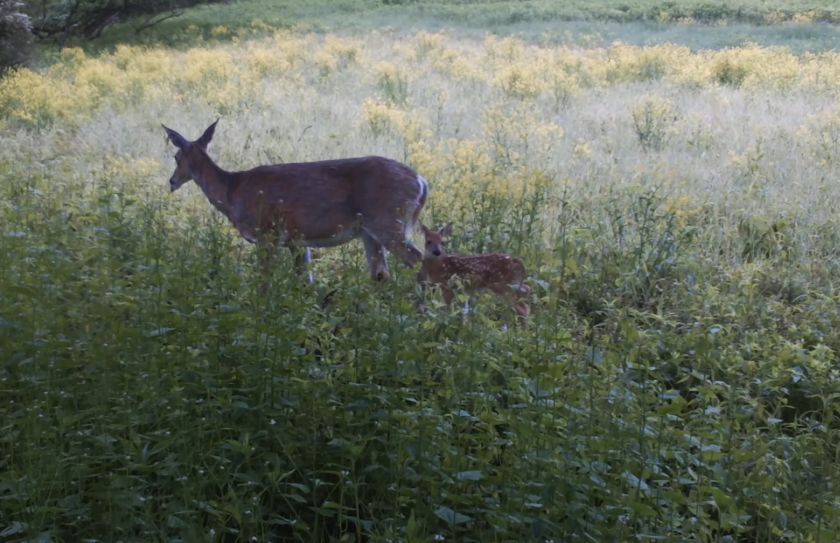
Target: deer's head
pixel 189 156
pixel 435 239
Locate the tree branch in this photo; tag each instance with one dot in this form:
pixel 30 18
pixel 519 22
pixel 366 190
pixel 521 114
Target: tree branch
pixel 96 31
pixel 153 20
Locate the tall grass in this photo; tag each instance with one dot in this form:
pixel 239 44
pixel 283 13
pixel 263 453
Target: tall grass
pixel 678 380
pixel 803 26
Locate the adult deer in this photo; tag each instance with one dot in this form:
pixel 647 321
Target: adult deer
pixel 498 272
pixel 311 204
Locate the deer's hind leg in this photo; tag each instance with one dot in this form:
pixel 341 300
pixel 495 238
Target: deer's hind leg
pixel 515 295
pixel 523 294
pixel 375 254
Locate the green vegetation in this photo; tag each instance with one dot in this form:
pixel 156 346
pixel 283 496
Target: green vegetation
pixel 676 210
pixel 697 23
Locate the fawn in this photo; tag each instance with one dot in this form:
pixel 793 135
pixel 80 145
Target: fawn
pixel 501 273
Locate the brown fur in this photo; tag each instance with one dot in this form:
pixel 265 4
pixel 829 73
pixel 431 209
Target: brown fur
pixel 320 204
pixel 500 273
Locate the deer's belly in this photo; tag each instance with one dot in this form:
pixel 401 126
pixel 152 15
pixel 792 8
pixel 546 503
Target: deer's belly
pixel 329 241
pixel 294 236
pixel 247 231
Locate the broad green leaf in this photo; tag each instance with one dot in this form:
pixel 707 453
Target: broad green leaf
pixel 450 516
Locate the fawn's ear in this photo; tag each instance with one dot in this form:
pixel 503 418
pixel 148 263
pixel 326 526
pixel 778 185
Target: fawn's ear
pixel 205 138
pixel 425 229
pixel 177 139
pixel 446 231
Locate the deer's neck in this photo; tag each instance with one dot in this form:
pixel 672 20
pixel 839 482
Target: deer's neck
pixel 215 183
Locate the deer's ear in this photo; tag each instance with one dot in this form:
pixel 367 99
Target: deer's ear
pixel 205 138
pixel 177 139
pixel 425 229
pixel 446 231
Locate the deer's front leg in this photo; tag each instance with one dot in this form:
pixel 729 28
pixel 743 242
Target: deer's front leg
pixel 266 252
pixel 448 294
pixel 423 281
pixel 302 257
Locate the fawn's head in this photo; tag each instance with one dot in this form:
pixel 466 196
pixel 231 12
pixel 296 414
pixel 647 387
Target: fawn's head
pixel 189 155
pixel 435 239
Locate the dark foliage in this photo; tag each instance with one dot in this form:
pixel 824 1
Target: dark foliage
pixel 15 34
pixel 87 19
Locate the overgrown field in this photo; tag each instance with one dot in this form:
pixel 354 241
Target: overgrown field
pixel 801 25
pixel 676 209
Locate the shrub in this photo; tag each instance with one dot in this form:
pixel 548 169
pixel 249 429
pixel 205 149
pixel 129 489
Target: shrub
pixel 727 72
pixel 393 82
pixel 652 117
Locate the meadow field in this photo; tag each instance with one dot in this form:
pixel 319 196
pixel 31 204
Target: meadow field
pixel 675 203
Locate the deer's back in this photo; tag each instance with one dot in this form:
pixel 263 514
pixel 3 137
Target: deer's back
pixel 479 269
pixel 302 195
pixel 353 180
